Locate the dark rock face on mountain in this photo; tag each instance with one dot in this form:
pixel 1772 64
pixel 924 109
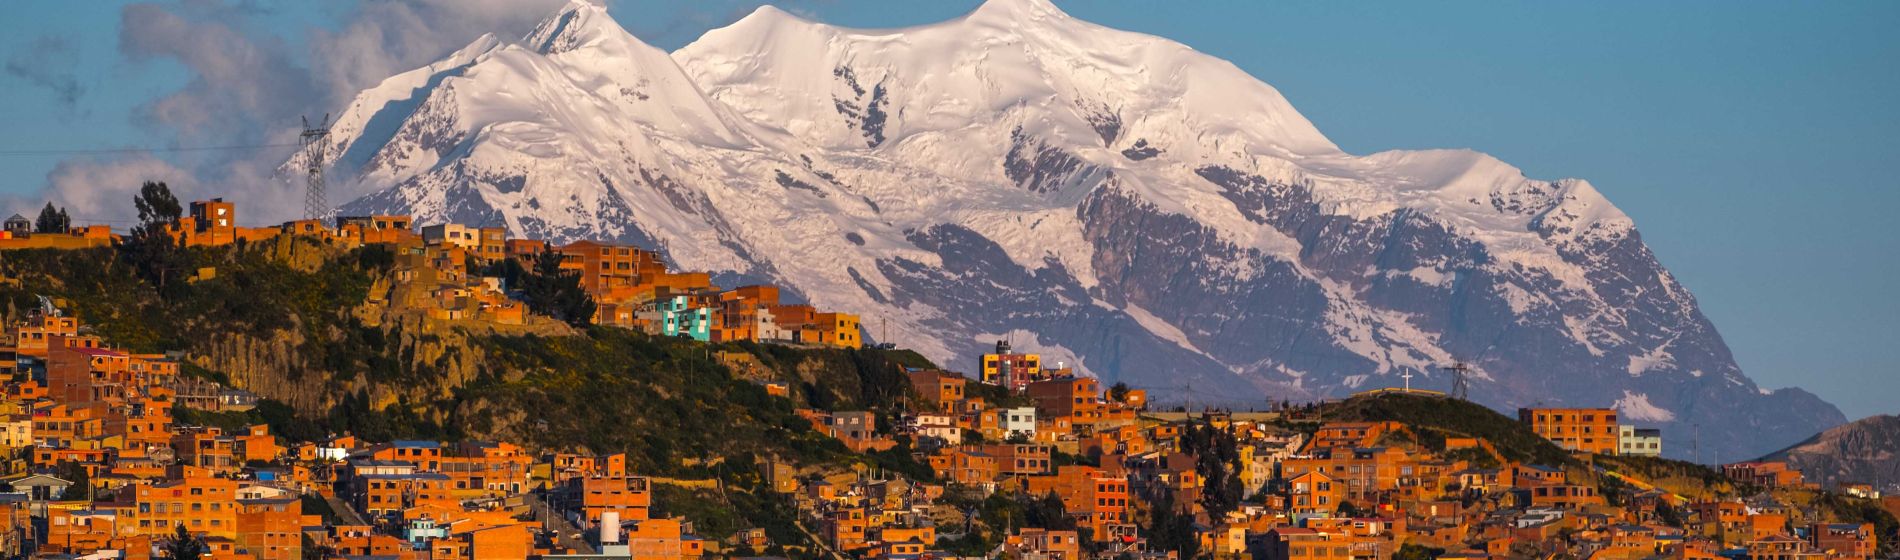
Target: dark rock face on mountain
pixel 1866 451
pixel 1017 173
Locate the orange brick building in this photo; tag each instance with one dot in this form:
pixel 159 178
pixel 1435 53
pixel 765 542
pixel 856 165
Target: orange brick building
pixel 271 528
pixel 629 496
pixel 204 505
pixel 1010 369
pixel 1590 430
pixel 604 266
pixel 1094 497
pixel 33 336
pixel 1077 398
pixel 377 229
pixel 941 388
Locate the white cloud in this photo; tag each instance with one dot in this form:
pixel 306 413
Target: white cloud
pixel 245 86
pixel 101 190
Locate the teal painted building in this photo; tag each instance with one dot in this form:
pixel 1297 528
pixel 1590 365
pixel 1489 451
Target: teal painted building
pixel 678 317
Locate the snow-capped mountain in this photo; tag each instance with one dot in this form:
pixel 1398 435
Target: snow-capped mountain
pixel 1119 201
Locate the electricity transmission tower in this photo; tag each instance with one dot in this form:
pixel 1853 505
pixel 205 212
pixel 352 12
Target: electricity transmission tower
pixel 317 146
pixel 1459 387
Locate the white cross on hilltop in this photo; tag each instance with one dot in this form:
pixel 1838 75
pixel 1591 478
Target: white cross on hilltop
pixel 1407 376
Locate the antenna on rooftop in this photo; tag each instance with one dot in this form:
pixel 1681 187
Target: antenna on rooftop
pixel 1459 388
pixel 316 141
pixel 46 306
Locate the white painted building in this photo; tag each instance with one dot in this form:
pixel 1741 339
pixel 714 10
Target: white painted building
pixel 452 234
pixel 940 426
pixel 1019 421
pixel 1638 442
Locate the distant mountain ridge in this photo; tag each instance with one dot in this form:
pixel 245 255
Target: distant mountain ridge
pixel 1866 451
pixel 1117 201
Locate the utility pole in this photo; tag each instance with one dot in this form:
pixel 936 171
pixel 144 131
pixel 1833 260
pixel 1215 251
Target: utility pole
pixel 316 141
pixel 1695 442
pixel 1459 388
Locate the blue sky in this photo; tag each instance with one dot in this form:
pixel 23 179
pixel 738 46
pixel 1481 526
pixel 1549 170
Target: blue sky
pixel 1753 142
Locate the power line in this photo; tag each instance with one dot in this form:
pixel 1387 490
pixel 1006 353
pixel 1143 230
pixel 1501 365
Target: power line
pixel 83 151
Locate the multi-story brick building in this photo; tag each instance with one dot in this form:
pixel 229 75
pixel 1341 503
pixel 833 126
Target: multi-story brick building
pixel 1021 458
pixel 1076 398
pixel 270 528
pixel 1767 474
pixel 70 365
pixel 485 469
pixel 1091 495
pixel 627 496
pixel 376 229
pixel 204 505
pixel 941 388
pixel 604 266
pixel 458 235
pixel 1641 442
pixel 1008 368
pixel 966 466
pixel 1844 540
pixel 33 337
pixel 1589 430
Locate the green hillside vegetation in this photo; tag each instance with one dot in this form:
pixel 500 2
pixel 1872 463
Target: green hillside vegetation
pixel 1681 477
pixel 289 284
pixel 1435 418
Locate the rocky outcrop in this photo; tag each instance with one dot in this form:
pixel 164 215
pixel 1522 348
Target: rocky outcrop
pixel 1866 451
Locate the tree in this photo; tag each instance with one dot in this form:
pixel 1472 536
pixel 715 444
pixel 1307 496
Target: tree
pixel 1347 509
pixel 52 220
pixel 1668 515
pixel 75 473
pixel 508 270
pixel 156 204
pixel 1048 512
pixel 1414 551
pixel 1118 392
pixel 1217 460
pixel 1169 530
pixel 554 292
pixel 150 248
pixel 183 545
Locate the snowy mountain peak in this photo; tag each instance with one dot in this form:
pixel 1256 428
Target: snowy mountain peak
pixel 579 24
pixel 1017 11
pixel 1145 211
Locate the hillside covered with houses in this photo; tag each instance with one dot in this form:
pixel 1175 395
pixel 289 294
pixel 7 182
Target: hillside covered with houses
pixel 367 387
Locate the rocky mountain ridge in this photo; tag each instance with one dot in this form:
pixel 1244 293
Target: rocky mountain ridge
pixel 1861 452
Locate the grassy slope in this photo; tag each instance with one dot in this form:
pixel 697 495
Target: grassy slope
pixel 1437 418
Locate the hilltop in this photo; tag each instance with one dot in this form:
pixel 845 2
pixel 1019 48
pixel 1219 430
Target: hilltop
pixel 1434 418
pixel 1863 452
